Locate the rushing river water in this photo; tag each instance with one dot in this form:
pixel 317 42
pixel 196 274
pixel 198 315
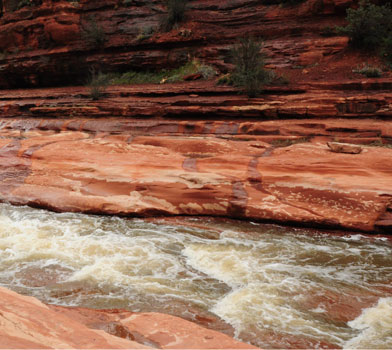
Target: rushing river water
pixel 276 286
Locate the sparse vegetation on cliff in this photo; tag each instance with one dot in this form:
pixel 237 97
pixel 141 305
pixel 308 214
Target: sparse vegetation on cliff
pixel 97 84
pixel 93 33
pixel 249 73
pixel 175 14
pixel 369 26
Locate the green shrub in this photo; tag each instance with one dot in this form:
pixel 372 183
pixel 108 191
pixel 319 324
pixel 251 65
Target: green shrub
pixel 175 14
pixel 368 71
pixel 207 72
pixel 93 33
pixel 368 25
pixel 97 84
pixel 249 73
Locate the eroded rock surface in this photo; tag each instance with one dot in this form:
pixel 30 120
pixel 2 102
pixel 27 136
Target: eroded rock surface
pixel 152 167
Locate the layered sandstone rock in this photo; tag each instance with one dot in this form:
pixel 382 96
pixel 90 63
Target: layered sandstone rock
pixel 349 99
pixel 158 151
pixel 146 168
pixel 46 44
pixel 26 323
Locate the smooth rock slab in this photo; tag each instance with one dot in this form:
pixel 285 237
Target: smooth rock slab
pixel 126 174
pixel 26 323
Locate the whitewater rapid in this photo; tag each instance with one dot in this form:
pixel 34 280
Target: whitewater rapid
pixel 264 280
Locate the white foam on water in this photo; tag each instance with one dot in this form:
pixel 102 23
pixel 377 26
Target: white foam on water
pixel 264 293
pixel 141 260
pixel 250 276
pixel 374 327
pixel 271 278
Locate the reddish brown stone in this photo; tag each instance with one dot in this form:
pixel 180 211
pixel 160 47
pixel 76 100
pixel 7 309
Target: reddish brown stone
pixel 194 76
pixel 62 33
pixel 339 147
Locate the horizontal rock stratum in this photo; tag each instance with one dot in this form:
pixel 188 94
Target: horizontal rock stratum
pixel 168 172
pixel 26 323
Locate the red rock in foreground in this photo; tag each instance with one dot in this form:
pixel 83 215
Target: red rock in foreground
pixel 26 323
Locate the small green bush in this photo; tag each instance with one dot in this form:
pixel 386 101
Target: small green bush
pixel 249 73
pixel 97 84
pixel 175 14
pixel 368 71
pixel 368 25
pixel 93 33
pixel 207 72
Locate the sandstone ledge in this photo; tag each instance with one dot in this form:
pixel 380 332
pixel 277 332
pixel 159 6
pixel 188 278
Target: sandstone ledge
pixel 173 172
pixel 26 323
pixel 350 99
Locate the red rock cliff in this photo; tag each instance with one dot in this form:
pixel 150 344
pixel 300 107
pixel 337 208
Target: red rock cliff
pixel 45 44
